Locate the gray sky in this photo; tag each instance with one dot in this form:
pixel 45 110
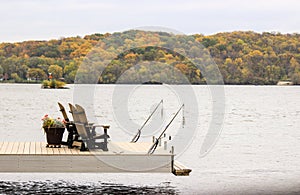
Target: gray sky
pixel 43 20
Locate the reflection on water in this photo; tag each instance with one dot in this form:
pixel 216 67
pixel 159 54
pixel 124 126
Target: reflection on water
pixel 63 187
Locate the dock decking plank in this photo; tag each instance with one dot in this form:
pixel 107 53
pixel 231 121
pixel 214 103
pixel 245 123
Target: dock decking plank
pixel 27 148
pixel 15 148
pixel 1 143
pixel 21 148
pixel 50 151
pixel 75 151
pixel 115 148
pixel 123 146
pixel 38 149
pixel 62 150
pixel 145 146
pixel 67 150
pixel 131 147
pixel 56 150
pixel 9 147
pixel 43 148
pixel 3 148
pixel 32 148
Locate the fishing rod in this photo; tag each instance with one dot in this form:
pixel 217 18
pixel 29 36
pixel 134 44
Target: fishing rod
pixel 154 146
pixel 138 134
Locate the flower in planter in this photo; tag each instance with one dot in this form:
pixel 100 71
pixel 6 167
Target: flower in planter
pixel 49 122
pixel 54 129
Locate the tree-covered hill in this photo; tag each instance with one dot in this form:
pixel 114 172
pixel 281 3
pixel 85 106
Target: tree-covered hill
pixel 253 58
pixel 242 57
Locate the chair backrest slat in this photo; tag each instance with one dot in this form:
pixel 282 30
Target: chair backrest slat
pixel 81 130
pixel 63 111
pixel 74 113
pixel 81 114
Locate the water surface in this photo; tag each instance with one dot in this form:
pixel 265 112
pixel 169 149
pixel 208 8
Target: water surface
pixel 257 152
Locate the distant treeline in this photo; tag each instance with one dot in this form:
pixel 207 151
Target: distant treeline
pixel 242 57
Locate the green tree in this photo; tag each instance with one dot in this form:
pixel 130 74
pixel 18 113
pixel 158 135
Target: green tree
pixel 16 77
pixel 70 71
pixel 36 74
pixel 1 70
pixel 296 78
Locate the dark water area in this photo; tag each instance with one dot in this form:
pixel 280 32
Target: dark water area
pixel 64 187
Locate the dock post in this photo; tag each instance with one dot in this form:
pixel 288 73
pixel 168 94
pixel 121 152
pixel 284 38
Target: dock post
pixel 159 142
pixel 172 161
pixel 165 145
pixel 153 139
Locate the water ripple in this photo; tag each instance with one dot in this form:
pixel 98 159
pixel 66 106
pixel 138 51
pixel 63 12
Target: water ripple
pixel 63 187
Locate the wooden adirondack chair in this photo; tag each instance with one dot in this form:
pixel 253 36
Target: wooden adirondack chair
pixel 90 140
pixel 73 136
pixel 87 131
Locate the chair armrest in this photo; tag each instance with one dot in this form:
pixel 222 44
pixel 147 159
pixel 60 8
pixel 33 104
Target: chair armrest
pixel 106 126
pixel 103 136
pixel 103 126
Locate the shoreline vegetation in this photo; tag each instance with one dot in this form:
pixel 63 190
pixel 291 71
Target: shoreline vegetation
pixel 243 58
pixel 280 83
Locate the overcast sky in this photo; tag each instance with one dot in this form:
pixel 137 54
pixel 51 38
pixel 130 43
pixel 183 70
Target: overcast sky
pixel 43 20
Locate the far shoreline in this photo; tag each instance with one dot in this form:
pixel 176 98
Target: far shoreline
pixel 204 84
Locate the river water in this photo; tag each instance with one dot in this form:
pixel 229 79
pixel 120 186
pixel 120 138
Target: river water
pixel 258 150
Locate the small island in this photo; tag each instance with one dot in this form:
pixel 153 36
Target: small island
pixel 53 83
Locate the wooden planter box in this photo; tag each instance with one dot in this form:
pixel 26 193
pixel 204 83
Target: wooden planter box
pixel 54 136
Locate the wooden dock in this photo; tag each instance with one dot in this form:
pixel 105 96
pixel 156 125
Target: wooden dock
pixel 121 157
